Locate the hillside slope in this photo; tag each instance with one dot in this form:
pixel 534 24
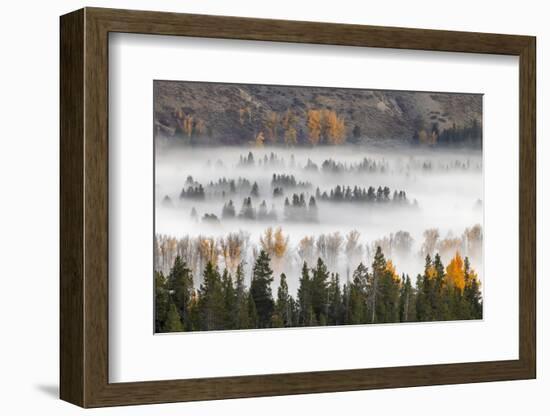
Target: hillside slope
pixel 216 113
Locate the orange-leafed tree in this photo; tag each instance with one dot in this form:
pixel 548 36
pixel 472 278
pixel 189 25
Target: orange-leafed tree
pixel 314 126
pixel 336 128
pixel 259 140
pixel 455 272
pixel 272 126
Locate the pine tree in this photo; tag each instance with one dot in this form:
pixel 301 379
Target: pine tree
pixel 407 303
pixel 253 319
pixel 437 302
pixel 472 293
pixel 424 288
pixel 283 307
pixel 211 302
pixel 180 283
pixel 241 300
pixel 376 308
pixel 336 305
pixel 260 289
pixel 162 301
pixel 319 293
pixel 229 301
pixel 304 297
pixel 255 191
pixel 359 296
pixel 173 322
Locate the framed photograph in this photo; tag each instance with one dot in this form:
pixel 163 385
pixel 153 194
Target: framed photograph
pixel 256 207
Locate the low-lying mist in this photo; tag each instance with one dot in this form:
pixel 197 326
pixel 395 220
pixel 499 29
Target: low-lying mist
pixel 438 207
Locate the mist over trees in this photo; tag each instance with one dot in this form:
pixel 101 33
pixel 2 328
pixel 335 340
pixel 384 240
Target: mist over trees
pixel 285 206
pixel 374 294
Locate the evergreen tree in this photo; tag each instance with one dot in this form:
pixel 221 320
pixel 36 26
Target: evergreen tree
pixel 162 301
pixel 376 308
pixel 472 293
pixel 260 289
pixel 336 305
pixel 283 307
pixel 173 322
pixel 389 290
pixel 425 288
pixel 180 283
pixel 255 191
pixel 211 301
pixel 241 300
pixel 253 319
pixel 359 296
pixel 439 306
pixel 304 297
pixel 407 301
pixel 229 301
pixel 228 210
pixel 319 292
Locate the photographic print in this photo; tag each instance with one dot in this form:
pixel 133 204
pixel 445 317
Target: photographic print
pixel 299 206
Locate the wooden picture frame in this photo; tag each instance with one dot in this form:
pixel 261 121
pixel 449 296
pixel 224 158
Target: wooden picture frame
pixel 84 207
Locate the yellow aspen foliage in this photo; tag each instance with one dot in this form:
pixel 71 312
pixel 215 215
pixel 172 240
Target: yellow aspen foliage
pixel 259 140
pixel 188 125
pixel 267 241
pixel 431 272
pixel 288 121
pixel 200 126
pixel 390 268
pixel 291 136
pixel 208 250
pixel 455 272
pixel 336 128
pixel 281 243
pixel 314 126
pixel 272 126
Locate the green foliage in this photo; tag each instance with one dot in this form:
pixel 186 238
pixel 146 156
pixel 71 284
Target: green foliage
pixel 180 284
pixel 162 301
pixel 211 300
pixel 378 296
pixel 173 322
pixel 260 289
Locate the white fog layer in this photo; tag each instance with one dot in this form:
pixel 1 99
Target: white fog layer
pixel 434 189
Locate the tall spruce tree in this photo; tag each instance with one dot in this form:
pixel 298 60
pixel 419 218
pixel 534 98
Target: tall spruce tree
pixel 407 301
pixel 162 301
pixel 180 283
pixel 173 322
pixel 425 285
pixel 472 293
pixel 319 293
pixel 336 305
pixel 437 302
pixel 211 302
pixel 260 289
pixel 359 298
pixel 376 308
pixel 304 297
pixel 241 300
pixel 283 307
pixel 229 301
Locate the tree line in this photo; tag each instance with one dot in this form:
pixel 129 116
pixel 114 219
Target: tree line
pixel 376 295
pixel 356 194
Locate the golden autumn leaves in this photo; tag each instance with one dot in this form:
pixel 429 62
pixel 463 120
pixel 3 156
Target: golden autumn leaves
pixel 323 127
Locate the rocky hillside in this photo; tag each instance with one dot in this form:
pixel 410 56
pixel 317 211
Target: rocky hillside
pixel 216 113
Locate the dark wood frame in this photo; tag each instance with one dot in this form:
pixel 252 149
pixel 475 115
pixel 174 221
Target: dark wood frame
pixel 84 207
